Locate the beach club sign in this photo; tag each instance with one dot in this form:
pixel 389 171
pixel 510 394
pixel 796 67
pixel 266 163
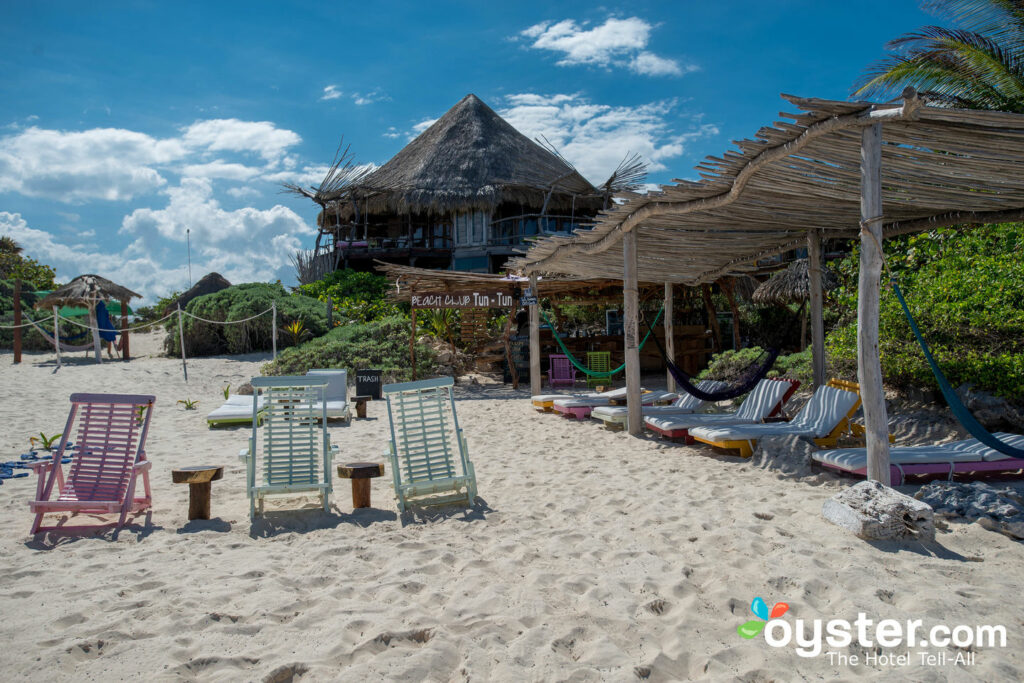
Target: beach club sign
pixel 492 298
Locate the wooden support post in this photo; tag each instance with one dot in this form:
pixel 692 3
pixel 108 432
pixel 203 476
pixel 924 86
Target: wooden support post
pixel 17 321
pixel 181 340
pixel 512 370
pixel 631 331
pixel 412 344
pixel 125 348
pixel 95 325
pixel 869 366
pixel 273 327
pixel 705 291
pixel 56 333
pixel 817 322
pixel 670 338
pixel 535 378
pixel 727 287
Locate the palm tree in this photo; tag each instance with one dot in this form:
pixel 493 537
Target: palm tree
pixel 8 245
pixel 979 65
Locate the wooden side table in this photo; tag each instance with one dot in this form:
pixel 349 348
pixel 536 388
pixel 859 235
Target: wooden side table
pixel 361 405
pixel 360 473
pixel 198 479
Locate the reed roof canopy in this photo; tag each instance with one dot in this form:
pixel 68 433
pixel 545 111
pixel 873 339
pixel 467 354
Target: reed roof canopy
pixel 940 166
pixel 469 159
pixel 86 290
pixel 792 284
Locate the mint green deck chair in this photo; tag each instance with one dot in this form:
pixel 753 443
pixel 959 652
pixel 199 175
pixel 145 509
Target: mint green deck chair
pixel 425 434
pixel 599 361
pixel 297 449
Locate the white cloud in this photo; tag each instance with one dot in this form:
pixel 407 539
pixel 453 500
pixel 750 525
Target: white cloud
pixel 243 192
pixel 391 132
pixel 596 137
pixel 261 137
pixel 422 126
pixel 331 92
pixel 615 43
pixel 375 95
pixel 220 169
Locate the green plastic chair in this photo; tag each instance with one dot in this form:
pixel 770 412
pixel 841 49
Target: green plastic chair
pixel 598 361
pixel 297 451
pixel 424 435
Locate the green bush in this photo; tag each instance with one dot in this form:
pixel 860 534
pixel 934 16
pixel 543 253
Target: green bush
pixel 237 303
pixel 30 339
pixel 966 291
pixel 356 295
pixel 380 344
pixel 730 366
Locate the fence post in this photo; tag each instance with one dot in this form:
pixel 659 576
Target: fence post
pixel 17 321
pixel 56 334
pixel 181 340
pixel 273 332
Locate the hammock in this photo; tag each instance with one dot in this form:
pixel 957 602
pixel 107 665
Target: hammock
pixel 963 415
pixel 754 374
pixel 584 369
pixel 64 346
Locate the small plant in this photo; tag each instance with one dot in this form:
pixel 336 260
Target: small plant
pixel 140 414
pixel 188 403
pixel 296 332
pixel 45 442
pixel 227 392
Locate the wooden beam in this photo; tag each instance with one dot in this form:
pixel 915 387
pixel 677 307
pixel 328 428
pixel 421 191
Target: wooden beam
pixel 670 338
pixel 535 378
pixel 56 333
pixel 817 322
pixel 125 353
pixel 631 331
pixel 17 321
pixel 869 367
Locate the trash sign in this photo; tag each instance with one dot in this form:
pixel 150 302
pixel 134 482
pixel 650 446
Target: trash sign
pixel 368 383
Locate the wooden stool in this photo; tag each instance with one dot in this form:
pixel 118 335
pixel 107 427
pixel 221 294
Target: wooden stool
pixel 361 405
pixel 198 479
pixel 360 473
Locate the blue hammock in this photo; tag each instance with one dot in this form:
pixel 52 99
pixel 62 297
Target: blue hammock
pixel 107 331
pixel 955 404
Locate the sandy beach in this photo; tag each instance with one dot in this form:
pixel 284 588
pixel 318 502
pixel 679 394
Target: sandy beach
pixel 590 555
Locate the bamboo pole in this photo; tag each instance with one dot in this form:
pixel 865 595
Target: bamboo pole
pixel 181 340
pixel 56 334
pixel 631 331
pixel 17 321
pixel 817 322
pixel 95 325
pixel 705 291
pixel 535 378
pixel 125 353
pixel 512 370
pixel 670 337
pixel 273 327
pixel 869 367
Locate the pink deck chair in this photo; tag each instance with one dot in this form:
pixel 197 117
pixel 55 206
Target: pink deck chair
pixel 110 455
pixel 560 370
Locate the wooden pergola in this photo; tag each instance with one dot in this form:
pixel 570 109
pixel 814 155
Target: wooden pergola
pixel 835 170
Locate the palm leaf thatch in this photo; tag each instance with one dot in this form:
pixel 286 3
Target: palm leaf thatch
pixel 208 284
pixel 342 174
pixel 792 285
pixel 86 290
pixel 468 159
pixel 977 66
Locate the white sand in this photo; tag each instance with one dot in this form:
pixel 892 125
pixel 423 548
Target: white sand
pixel 591 556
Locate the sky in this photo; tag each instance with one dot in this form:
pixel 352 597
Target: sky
pixel 125 124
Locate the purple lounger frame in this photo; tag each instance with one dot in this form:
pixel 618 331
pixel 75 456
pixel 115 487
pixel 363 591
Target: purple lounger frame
pixel 899 473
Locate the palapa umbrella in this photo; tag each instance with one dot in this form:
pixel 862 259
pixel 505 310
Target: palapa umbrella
pixel 793 285
pixel 88 291
pixel 209 284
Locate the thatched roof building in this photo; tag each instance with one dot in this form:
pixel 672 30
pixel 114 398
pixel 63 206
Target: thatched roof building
pixel 86 290
pixel 792 285
pixel 470 158
pixel 208 284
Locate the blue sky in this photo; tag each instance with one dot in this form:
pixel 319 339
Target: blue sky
pixel 122 126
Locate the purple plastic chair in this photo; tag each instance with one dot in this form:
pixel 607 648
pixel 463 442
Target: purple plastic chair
pixel 561 370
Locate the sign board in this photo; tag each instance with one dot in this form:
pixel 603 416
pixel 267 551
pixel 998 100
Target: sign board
pixel 368 383
pixel 491 298
pixel 528 299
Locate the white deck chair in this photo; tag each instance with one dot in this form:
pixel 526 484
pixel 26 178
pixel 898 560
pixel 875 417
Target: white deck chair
pixel 336 393
pixel 617 417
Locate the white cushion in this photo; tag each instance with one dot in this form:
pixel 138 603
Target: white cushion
pixel 672 422
pixel 762 400
pixel 237 406
pixel 337 383
pixel 687 400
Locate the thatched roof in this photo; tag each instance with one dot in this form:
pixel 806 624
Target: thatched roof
pixel 210 283
pixel 792 285
pixel 86 290
pixel 469 158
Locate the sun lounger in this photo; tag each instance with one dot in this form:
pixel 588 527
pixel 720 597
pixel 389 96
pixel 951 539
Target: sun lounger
pixel 617 417
pixel 969 455
pixel 425 434
pixel 824 418
pixel 580 407
pixel 544 402
pixel 110 456
pixel 767 399
pixel 297 453
pixel 336 392
pixel 236 410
